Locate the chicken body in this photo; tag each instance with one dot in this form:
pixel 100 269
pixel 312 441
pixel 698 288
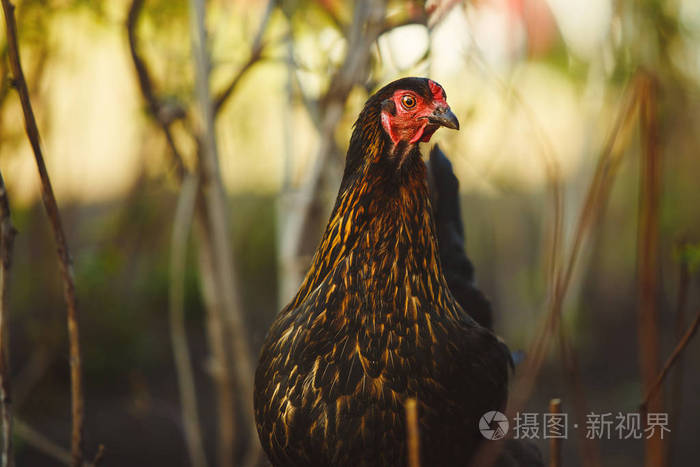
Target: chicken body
pixel 374 323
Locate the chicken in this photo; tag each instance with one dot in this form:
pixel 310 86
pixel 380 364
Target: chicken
pixel 374 322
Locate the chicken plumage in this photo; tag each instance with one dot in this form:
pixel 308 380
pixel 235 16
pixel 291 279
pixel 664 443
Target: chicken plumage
pixel 374 321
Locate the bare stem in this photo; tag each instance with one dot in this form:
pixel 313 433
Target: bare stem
pixel 677 384
pixel 146 86
pixel 588 448
pixel 7 238
pixel 216 227
pixel 254 57
pixel 647 254
pixel 65 262
pixel 215 258
pixel 555 442
pixel 412 433
pixel 598 191
pixel 183 362
pixel 682 344
pixel 41 443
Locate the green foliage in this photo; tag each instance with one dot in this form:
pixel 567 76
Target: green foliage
pixel 689 253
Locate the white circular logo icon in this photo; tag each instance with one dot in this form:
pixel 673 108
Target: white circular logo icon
pixel 493 425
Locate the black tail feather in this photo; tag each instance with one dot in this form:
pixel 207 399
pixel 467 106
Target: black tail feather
pixel 456 266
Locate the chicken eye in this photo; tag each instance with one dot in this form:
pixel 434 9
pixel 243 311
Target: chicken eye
pixel 408 102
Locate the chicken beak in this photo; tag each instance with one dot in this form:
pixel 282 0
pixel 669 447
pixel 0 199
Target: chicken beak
pixel 443 116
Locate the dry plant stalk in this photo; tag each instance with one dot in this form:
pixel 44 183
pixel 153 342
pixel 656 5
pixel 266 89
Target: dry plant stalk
pixel 653 390
pixel 65 262
pixel 216 340
pixel 598 191
pixel 183 362
pixel 215 264
pixel 214 202
pixel 561 274
pixel 555 442
pixel 41 443
pixel 218 363
pixel 588 448
pixel 146 87
pixel 412 432
pixel 256 51
pixel 7 239
pixel 647 253
pixel 677 383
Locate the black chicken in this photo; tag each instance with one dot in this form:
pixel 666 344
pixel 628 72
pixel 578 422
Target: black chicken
pixel 374 321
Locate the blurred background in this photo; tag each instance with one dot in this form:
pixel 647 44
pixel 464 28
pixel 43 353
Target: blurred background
pixel 541 89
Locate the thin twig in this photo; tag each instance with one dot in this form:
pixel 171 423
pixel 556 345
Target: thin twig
pixel 65 262
pixel 677 382
pixel 255 56
pixel 7 239
pixel 647 257
pixel 654 389
pixel 215 225
pixel 214 205
pixel 163 119
pixel 99 455
pixel 554 441
pixel 412 433
pixel 438 10
pixel 551 166
pixel 183 362
pixel 219 361
pixel 599 189
pixel 588 448
pixel 218 293
pixel 606 169
pixel 41 443
pixel 50 448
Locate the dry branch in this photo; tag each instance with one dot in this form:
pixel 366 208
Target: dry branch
pixel 647 254
pixel 555 442
pixel 677 382
pixel 163 119
pixel 255 56
pixel 438 9
pixel 49 448
pixel 65 262
pixel 41 443
pixel 214 204
pixel 217 276
pixel 412 433
pixel 7 239
pixel 654 388
pixel 588 448
pixel 550 164
pixel 183 362
pixel 598 191
pixel 597 195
